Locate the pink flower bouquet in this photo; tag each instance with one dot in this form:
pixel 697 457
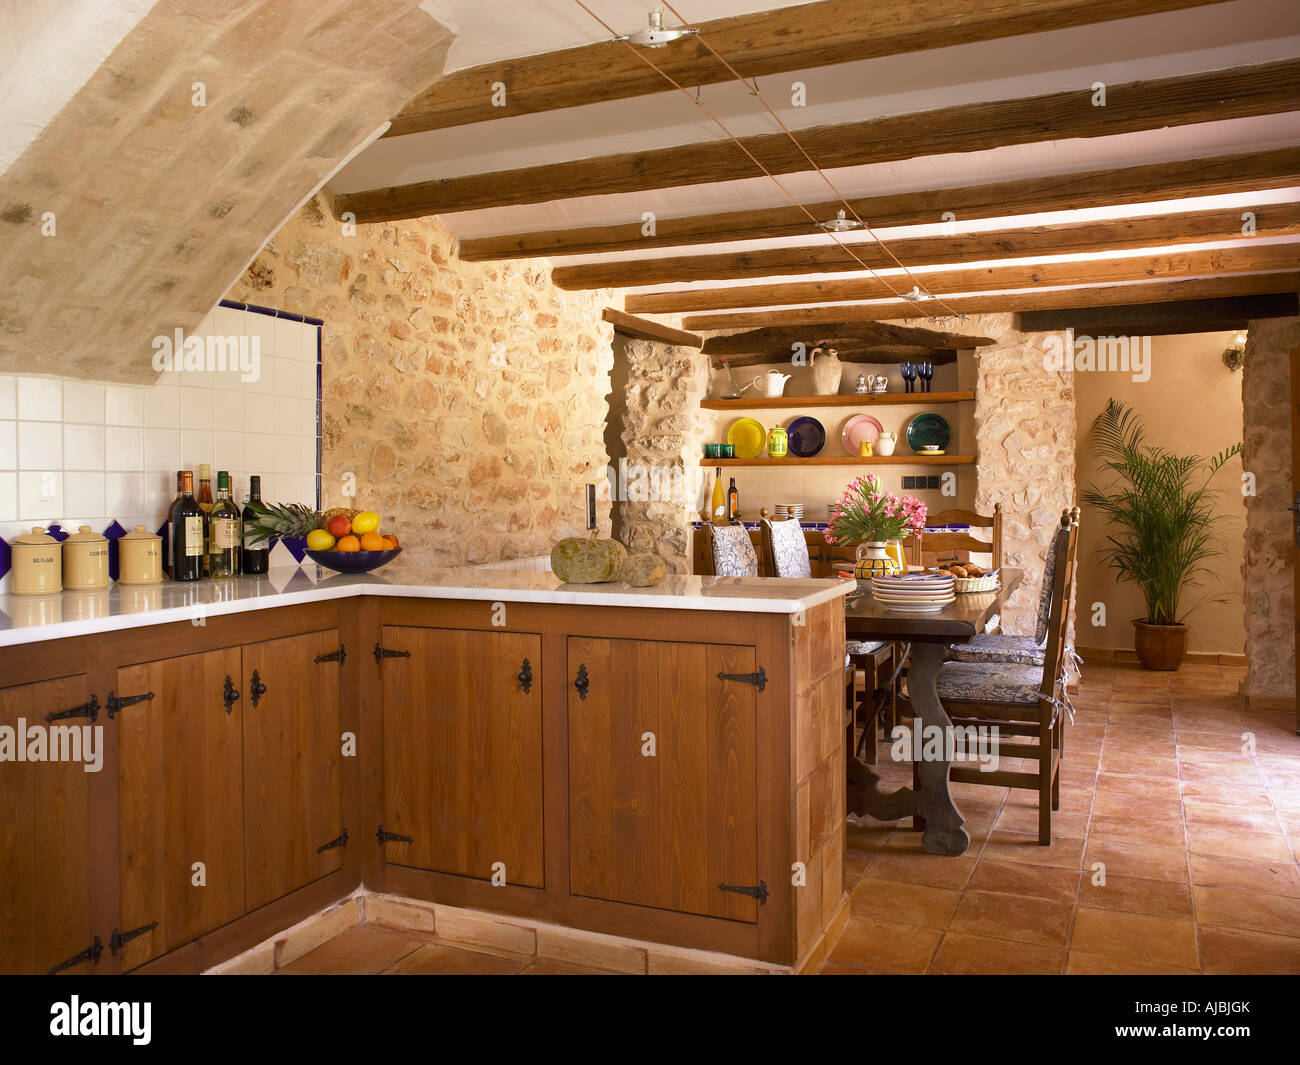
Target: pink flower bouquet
pixel 866 514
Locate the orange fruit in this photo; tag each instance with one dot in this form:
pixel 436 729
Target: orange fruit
pixel 390 543
pixel 348 543
pixel 372 541
pixel 396 542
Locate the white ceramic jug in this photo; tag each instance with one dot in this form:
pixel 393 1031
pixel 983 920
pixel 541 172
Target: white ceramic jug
pixel 885 444
pixel 772 383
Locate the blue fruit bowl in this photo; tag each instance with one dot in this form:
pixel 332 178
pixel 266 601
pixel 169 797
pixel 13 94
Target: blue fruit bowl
pixel 353 561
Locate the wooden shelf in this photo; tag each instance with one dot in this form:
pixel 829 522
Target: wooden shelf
pixel 847 460
pixel 883 399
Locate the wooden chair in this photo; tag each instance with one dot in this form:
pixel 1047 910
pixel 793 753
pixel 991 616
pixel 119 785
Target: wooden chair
pixel 941 545
pixel 1023 702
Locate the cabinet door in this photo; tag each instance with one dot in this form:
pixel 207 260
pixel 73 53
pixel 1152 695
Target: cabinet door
pixel 292 765
pixel 463 752
pixel 180 800
pixel 44 831
pixel 663 829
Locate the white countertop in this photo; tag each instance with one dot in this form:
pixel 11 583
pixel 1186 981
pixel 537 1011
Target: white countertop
pixel 30 619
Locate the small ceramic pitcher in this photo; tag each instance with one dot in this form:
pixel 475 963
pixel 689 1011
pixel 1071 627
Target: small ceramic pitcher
pixel 772 383
pixel 885 444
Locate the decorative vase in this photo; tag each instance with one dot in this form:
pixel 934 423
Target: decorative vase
pixel 874 560
pixel 885 444
pixel 778 442
pixel 826 371
pixel 1160 646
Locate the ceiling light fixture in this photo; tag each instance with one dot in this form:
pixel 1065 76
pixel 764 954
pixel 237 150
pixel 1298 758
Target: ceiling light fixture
pixel 916 295
pixel 655 35
pixel 840 224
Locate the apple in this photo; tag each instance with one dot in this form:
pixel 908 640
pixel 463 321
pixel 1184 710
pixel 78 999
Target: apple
pixel 339 526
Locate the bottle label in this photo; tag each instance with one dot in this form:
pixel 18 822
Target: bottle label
pixel 194 535
pixel 225 534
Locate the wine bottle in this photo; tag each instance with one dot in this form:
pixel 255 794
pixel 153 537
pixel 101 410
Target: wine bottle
pixel 255 555
pixel 225 525
pixel 205 505
pixel 187 532
pixel 171 526
pixel 733 502
pixel 718 510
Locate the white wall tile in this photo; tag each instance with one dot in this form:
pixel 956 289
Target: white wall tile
pixel 83 401
pixel 162 408
pixel 227 410
pixel 288 339
pixel 228 450
pixel 307 417
pixel 196 408
pixel 287 454
pixel 40 446
pixel 40 496
pixel 259 413
pixel 162 450
pixel 308 371
pixel 228 322
pixel 261 326
pixel 159 492
pixel 308 459
pixel 196 448
pixel 124 494
pixel 123 448
pixel 264 382
pixel 260 451
pixel 83 448
pixel 8 445
pixel 124 405
pixel 83 493
pixel 288 378
pixel 8 497
pixel 8 397
pixel 40 399
pixel 288 415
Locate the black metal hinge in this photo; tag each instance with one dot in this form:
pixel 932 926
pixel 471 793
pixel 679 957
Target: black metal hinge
pixel 88 709
pixel 582 682
pixel 759 679
pixel 338 656
pixel 383 652
pixel 120 702
pixel 90 954
pixel 229 693
pixel 256 689
pixel 757 892
pixel 391 837
pixel 341 840
pixel 119 939
pixel 526 676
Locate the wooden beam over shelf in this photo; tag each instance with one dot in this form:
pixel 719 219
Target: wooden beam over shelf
pixel 1212 96
pixel 1152 231
pixel 1095 296
pixel 769 339
pixel 645 329
pixel 765 42
pixel 975 279
pixel 1163 319
pixel 1243 172
pixel 876 356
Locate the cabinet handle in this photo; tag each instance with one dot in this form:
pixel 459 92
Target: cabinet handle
pixel 257 689
pixel 526 676
pixel 229 694
pixel 582 681
pixel 91 954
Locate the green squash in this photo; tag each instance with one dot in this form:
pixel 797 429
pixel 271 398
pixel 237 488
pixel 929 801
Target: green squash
pixel 579 560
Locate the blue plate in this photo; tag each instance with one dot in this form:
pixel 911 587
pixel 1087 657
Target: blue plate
pixel 928 429
pixel 807 437
pixel 353 561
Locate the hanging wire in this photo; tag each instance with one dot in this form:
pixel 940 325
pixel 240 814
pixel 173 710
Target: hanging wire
pixel 906 297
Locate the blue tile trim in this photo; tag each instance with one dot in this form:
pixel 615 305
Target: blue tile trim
pixel 271 312
pixel 5 560
pixel 113 532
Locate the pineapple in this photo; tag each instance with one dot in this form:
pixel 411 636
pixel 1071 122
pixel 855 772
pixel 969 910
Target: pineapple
pixel 334 512
pixel 276 521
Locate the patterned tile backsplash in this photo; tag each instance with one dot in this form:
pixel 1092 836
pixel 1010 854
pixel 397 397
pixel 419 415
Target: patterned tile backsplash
pixel 245 397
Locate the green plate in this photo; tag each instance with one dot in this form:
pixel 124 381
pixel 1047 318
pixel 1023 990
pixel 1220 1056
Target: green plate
pixel 928 429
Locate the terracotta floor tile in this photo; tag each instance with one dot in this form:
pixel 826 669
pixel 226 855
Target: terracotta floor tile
pixel 931 870
pixel 885 946
pixel 1081 964
pixel 1232 842
pixel 362 949
pixel 962 953
pixel 1136 937
pixel 1025 819
pixel 1019 917
pixel 1228 772
pixel 1133 763
pixel 1020 878
pixel 1226 794
pixel 1137 829
pixel 1232 950
pixel 1138 787
pixel 1243 818
pixel 1255 911
pixel 1271 878
pixel 1133 894
pixel 1130 859
pixel 442 958
pixel 1110 804
pixel 892 900
pixel 1064 853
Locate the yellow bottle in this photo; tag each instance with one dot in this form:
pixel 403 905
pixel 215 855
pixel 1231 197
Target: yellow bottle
pixel 718 509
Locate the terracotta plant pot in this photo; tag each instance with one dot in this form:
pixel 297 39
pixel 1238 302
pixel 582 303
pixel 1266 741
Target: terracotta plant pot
pixel 1160 646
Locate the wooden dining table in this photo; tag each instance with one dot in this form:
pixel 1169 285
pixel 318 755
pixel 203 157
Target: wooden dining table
pixel 930 635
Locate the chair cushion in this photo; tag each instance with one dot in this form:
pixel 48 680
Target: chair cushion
pixel 1054 552
pixel 789 549
pixel 990 682
pixel 863 647
pixel 987 647
pixel 733 551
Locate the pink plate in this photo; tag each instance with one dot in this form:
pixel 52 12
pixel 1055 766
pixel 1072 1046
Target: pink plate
pixel 857 429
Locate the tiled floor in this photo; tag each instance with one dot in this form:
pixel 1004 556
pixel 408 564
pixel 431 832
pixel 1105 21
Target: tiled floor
pixel 1198 834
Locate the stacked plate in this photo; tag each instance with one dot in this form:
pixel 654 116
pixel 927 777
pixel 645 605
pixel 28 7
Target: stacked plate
pixel 785 511
pixel 914 593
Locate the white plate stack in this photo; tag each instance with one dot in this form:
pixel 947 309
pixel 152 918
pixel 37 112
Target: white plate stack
pixel 788 511
pixel 914 593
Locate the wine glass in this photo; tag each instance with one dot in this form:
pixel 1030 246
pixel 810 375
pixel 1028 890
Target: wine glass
pixel 926 373
pixel 908 370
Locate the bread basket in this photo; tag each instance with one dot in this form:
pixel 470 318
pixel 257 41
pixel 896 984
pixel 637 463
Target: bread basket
pixel 988 582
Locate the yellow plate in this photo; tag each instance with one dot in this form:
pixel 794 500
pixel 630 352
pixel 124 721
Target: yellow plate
pixel 749 437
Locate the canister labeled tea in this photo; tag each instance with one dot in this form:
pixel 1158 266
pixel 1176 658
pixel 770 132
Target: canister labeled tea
pixel 139 557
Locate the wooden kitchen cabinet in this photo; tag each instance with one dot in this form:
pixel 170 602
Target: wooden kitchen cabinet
pixel 663 829
pixel 45 918
pixel 463 752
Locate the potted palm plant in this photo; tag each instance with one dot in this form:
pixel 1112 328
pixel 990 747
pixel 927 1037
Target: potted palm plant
pixel 1162 515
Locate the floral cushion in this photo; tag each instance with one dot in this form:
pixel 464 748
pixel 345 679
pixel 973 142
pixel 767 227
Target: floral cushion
pixel 1057 549
pixel 733 551
pixel 987 647
pixel 863 647
pixel 990 682
pixel 789 549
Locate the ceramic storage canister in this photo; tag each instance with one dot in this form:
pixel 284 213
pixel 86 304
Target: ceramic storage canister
pixel 37 564
pixel 139 557
pixel 85 560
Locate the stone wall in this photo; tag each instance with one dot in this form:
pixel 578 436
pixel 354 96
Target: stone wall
pixel 1269 569
pixel 467 399
pixel 162 176
pixel 1025 434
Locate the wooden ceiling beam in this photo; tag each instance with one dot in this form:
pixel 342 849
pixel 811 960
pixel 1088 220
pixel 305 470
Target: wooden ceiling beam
pixel 1239 172
pixel 1152 231
pixel 1210 96
pixel 974 279
pixel 765 42
pixel 1092 296
pixel 838 335
pixel 647 329
pixel 1162 319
